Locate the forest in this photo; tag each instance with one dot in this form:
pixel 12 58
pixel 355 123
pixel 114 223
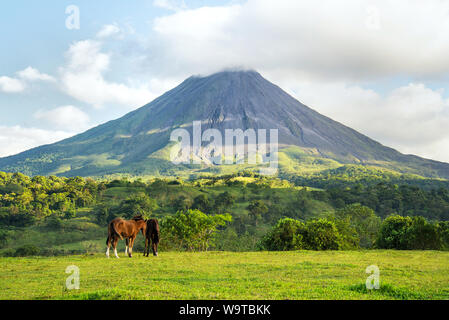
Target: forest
pixel 236 212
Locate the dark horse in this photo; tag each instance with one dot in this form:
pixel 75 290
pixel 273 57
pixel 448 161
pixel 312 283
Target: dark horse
pixel 152 235
pixel 120 229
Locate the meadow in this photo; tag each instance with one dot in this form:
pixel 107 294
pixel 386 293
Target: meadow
pixel 404 275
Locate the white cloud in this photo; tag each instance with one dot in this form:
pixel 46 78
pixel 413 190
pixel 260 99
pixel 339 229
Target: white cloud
pixel 16 85
pixel 326 54
pixel 357 40
pixel 83 78
pixel 411 118
pixel 65 118
pixel 17 139
pixel 108 31
pixel 173 5
pixel 32 74
pixel 11 85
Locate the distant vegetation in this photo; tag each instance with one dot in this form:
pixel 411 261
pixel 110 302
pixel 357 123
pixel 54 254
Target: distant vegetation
pixel 236 212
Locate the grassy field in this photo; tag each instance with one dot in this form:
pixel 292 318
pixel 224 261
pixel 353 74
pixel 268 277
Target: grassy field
pixel 226 275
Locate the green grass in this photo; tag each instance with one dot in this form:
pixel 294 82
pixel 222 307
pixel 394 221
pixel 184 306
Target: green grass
pixel 225 275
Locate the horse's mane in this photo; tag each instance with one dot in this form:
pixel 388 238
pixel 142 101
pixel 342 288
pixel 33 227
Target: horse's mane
pixel 138 218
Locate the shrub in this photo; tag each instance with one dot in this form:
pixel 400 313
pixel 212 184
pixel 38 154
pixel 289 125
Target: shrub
pixel 422 235
pixel 322 234
pixel 101 215
pixel 285 236
pixel 393 233
pixel 365 222
pixel 192 229
pixel 291 234
pixel 26 251
pixel 257 209
pixel 4 235
pixel 443 233
pixel 408 233
pixel 54 222
pixel 349 238
pixel 17 219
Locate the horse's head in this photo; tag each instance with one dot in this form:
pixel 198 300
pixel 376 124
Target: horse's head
pixel 140 222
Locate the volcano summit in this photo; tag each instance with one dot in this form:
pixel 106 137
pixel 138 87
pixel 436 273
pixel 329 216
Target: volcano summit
pixel 139 142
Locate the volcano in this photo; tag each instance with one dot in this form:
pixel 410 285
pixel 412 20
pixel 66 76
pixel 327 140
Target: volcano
pixel 138 143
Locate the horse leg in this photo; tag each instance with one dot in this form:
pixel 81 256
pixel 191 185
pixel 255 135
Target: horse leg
pixel 127 244
pixel 149 244
pixel 146 246
pixel 108 243
pixel 114 245
pixel 155 249
pixel 131 244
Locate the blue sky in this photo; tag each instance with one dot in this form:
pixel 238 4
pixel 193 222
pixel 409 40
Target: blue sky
pixel 379 67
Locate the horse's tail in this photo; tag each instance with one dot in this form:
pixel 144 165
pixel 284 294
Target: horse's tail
pixel 112 232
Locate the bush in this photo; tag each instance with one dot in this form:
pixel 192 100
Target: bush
pixel 101 215
pixel 393 233
pixel 406 233
pixel 443 233
pixel 291 234
pixel 192 229
pixel 422 235
pixel 26 251
pixel 322 234
pixel 54 222
pixel 365 222
pixel 16 219
pixel 285 236
pixel 4 235
pixel 349 238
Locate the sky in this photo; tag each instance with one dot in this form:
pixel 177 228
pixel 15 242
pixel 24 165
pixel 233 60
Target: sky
pixel 380 67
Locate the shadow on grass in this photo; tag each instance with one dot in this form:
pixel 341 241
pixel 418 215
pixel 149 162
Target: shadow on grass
pixel 391 291
pixel 108 294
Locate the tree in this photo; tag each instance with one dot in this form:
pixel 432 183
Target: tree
pixel 101 214
pixel 322 235
pixel 287 235
pixel 139 204
pixel 408 233
pixel 349 238
pixel 257 209
pixel 201 203
pixel 182 203
pixel 192 229
pixel 224 201
pixel 443 232
pixel 4 236
pixel 422 235
pixel 393 232
pixel 364 220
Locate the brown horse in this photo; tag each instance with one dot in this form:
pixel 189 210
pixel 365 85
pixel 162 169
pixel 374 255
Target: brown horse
pixel 152 235
pixel 120 229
